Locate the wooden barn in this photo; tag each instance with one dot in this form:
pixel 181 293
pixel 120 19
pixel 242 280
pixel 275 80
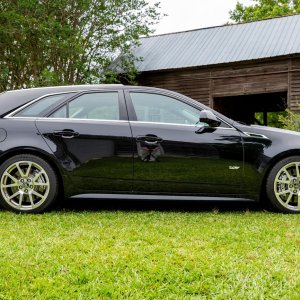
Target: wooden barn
pixel 236 69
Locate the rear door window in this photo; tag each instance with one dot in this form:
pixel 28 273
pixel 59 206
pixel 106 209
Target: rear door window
pixel 92 106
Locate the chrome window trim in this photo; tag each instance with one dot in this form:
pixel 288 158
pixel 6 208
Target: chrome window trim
pixel 176 124
pixel 66 119
pixel 102 120
pixel 78 119
pixel 81 87
pixel 10 115
pixel 186 101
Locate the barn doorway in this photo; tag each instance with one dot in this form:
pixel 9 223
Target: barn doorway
pixel 245 108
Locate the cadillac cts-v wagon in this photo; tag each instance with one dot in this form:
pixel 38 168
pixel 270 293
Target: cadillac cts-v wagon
pixel 126 142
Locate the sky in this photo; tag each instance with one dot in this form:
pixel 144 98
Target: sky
pixel 192 14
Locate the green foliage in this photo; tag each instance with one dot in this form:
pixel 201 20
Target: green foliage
pixel 274 118
pixel 263 9
pixel 51 42
pixel 149 255
pixel 290 121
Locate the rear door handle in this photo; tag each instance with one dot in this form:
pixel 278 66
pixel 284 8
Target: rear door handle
pixel 66 133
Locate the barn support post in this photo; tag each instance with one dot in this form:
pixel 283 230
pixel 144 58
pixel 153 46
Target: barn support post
pixel 265 114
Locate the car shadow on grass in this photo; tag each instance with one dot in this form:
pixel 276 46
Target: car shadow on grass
pixel 157 205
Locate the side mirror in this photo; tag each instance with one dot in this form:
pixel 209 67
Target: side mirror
pixel 206 116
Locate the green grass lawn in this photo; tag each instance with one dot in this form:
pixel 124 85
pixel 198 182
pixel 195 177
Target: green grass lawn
pixel 148 254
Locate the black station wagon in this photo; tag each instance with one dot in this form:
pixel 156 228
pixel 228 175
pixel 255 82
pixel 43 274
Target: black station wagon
pixel 126 142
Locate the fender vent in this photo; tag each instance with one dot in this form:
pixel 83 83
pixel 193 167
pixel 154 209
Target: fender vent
pixel 257 135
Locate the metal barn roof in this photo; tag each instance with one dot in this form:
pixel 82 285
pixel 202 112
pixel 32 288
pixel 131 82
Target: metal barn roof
pixel 218 45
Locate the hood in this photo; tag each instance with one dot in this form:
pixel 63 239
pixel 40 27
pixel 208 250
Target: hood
pixel 265 130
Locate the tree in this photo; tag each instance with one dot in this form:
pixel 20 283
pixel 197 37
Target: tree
pixel 51 42
pixel 290 120
pixel 263 9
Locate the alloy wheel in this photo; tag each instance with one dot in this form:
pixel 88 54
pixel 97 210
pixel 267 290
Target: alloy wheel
pixel 287 186
pixel 25 185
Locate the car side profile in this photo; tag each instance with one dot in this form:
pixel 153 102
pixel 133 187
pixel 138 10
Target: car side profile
pixel 129 142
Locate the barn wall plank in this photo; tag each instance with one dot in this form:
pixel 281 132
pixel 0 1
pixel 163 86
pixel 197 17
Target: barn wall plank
pixel 203 84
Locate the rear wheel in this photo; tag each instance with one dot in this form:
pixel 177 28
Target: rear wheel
pixel 28 184
pixel 283 185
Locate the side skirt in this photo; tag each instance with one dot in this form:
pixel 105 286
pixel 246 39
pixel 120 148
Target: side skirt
pixel 160 197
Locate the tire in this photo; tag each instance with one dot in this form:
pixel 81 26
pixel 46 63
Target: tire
pixel 28 184
pixel 283 185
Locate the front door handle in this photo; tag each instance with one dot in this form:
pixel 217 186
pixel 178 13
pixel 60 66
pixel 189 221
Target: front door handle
pixel 66 133
pixel 149 139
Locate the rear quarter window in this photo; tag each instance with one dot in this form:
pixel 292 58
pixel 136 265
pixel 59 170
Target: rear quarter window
pixel 41 106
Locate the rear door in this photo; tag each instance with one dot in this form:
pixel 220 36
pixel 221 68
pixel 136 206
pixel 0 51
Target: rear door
pixel 91 137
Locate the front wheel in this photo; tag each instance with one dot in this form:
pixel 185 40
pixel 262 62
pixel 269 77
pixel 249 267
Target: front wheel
pixel 283 185
pixel 28 184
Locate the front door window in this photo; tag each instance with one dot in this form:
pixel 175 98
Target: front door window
pixel 162 109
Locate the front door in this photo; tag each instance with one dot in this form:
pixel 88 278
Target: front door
pixel 173 156
pixel 92 139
